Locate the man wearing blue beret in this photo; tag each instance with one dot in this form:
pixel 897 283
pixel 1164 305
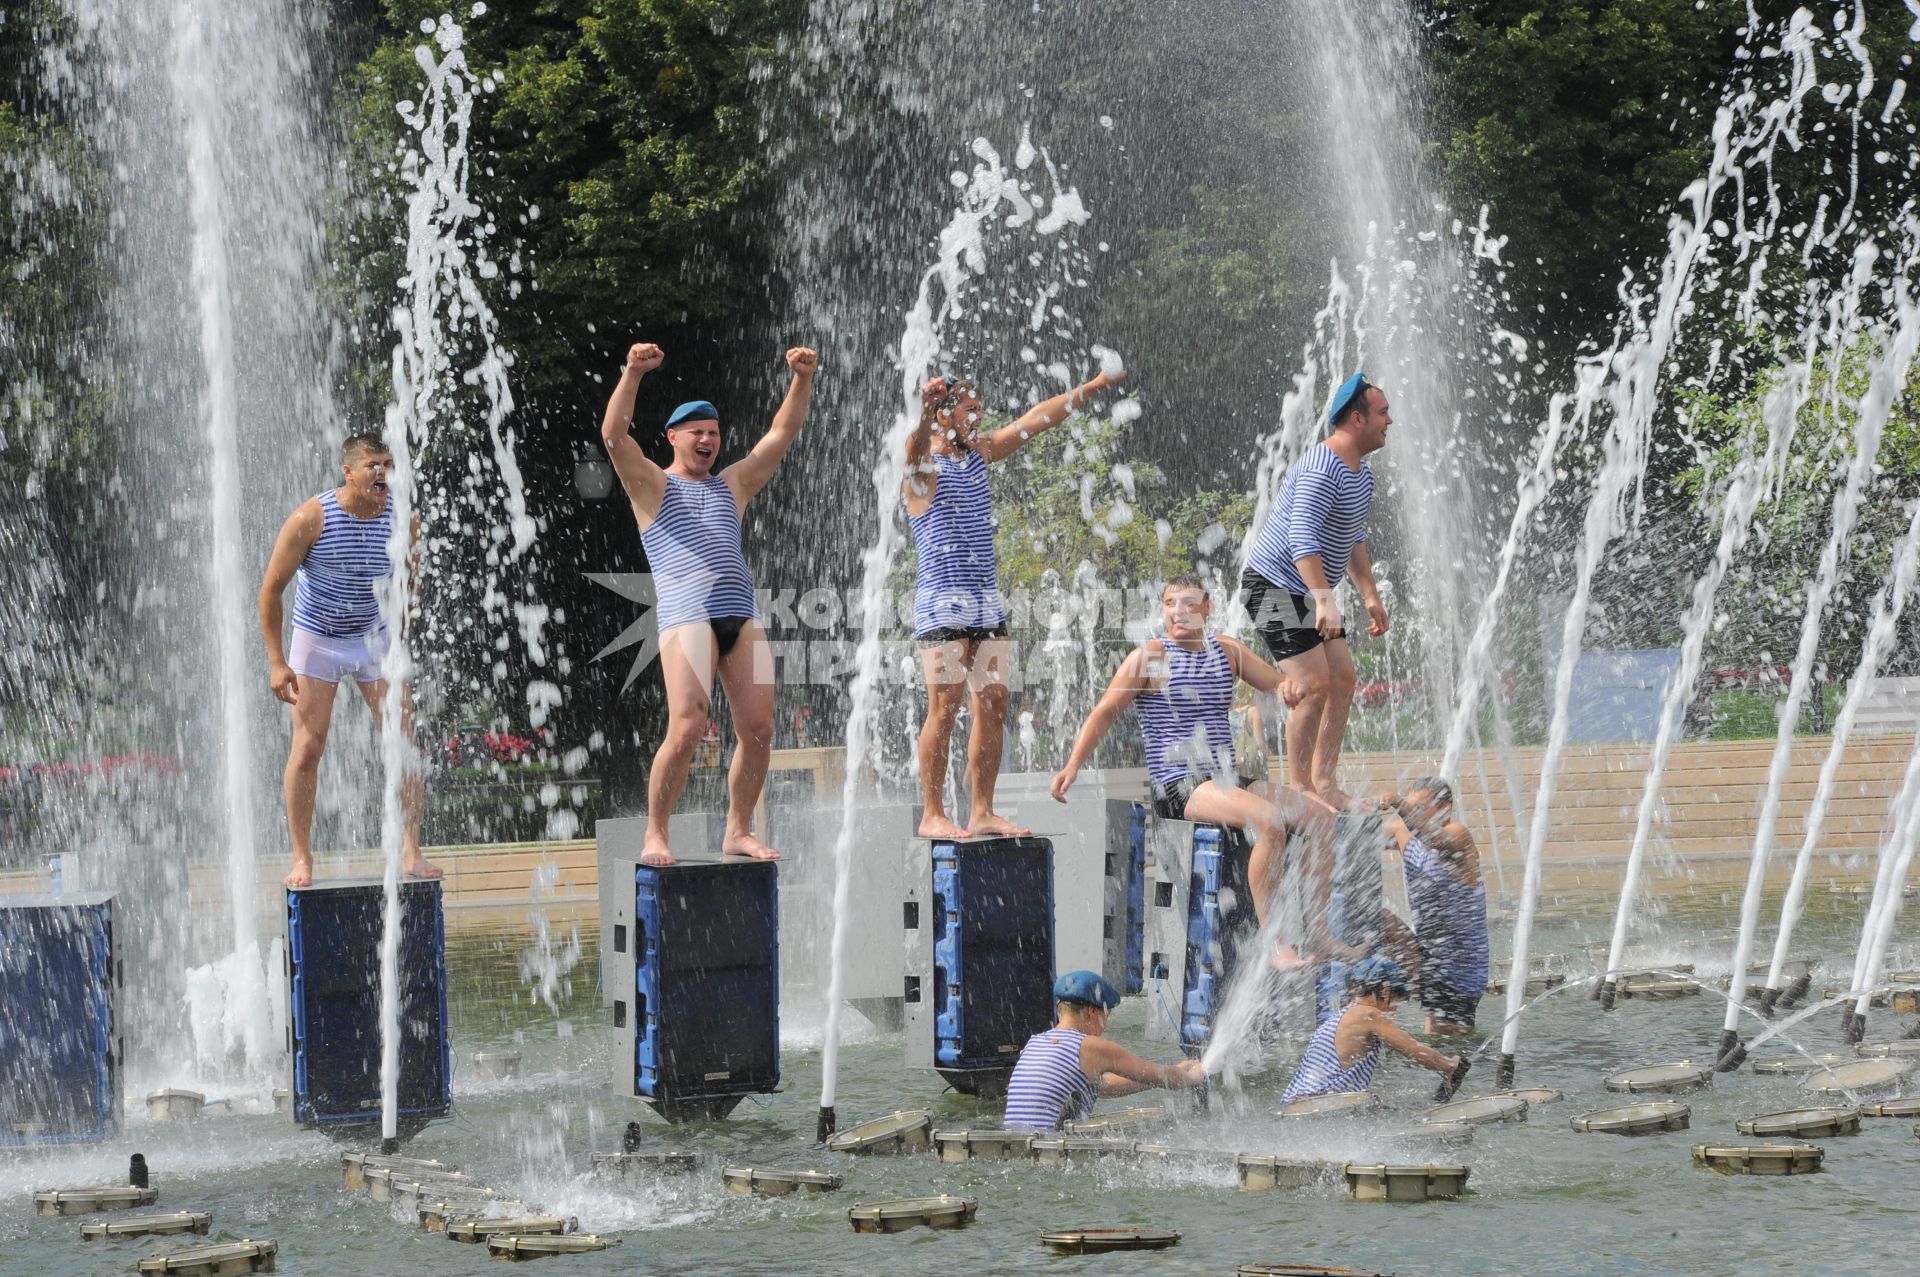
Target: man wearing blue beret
pixel 1062 1072
pixel 709 622
pixel 1316 535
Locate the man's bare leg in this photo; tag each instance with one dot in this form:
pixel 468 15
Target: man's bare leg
pixel 1260 818
pixel 686 667
pixel 986 739
pixel 413 781
pixel 747 674
pixel 1303 721
pixel 312 713
pixel 1333 723
pixel 945 668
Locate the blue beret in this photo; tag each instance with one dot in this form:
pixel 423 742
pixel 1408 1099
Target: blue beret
pixel 1375 970
pixel 1086 987
pixel 693 410
pixel 1350 389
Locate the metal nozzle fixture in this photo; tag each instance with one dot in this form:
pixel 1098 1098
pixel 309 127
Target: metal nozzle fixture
pixel 388 1147
pixel 1451 1082
pixel 1503 1076
pixel 823 1129
pixel 1769 999
pixel 1731 1053
pixel 1853 1030
pixel 1608 991
pixel 630 1139
pixel 1798 989
pixel 137 1171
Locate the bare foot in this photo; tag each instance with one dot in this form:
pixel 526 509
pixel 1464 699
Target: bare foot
pixel 301 875
pixel 747 845
pixel 655 852
pixel 1339 799
pixel 988 825
pixel 936 825
pixel 1286 958
pixel 416 866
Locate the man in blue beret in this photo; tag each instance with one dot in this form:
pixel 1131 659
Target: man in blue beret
pixel 1062 1072
pixel 709 622
pixel 1344 1052
pixel 1315 536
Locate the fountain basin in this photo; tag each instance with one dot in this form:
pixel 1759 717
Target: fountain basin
pixel 356 1165
pixel 1793 1065
pixel 1096 1241
pixel 1176 1155
pixel 1260 1172
pixel 1684 1075
pixel 479 1230
pixel 1477 1112
pixel 435 1216
pixel 1303 1270
pixel 1536 984
pixel 1907 1107
pixel 989 1146
pixel 413 1194
pixel 903 1132
pixel 1811 1124
pixel 1078 1149
pixel 542 1245
pixel 1118 1120
pixel 1381 1182
pixel 623 1165
pixel 745 1179
pixel 175 1105
pixel 184 1221
pixel 85 1201
pixel 1759 1159
pixel 1536 1095
pixel 1899 1049
pixel 223 1260
pixel 383 1182
pixel 496 1066
pixel 898 1216
pixel 1657 990
pixel 1858 1075
pixel 1653 1118
pixel 1333 1104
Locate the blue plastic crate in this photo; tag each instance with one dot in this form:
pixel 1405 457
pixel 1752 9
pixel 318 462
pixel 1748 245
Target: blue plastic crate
pixel 61 1065
pixel 992 949
pixel 706 1006
pixel 1136 900
pixel 1205 936
pixel 333 962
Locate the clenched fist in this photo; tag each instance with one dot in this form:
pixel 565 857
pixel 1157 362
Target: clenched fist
pixel 804 361
pixel 643 357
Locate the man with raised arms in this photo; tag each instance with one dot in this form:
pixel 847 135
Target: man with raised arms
pixel 335 548
pixel 1182 685
pixel 1316 535
pixel 689 521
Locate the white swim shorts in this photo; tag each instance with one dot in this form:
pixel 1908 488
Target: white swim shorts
pixel 331 660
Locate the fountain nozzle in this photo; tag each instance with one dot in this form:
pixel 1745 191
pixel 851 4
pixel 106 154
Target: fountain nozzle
pixel 630 1139
pixel 1503 1076
pixel 389 1146
pixel 1731 1054
pixel 1797 990
pixel 137 1171
pixel 826 1126
pixel 1607 993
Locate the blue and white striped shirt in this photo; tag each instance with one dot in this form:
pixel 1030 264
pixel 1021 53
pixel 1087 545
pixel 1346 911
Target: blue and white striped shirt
pixel 337 586
pixel 958 584
pixel 1322 509
pixel 1320 1071
pixel 693 551
pixel 1449 922
pixel 1187 724
pixel 1048 1085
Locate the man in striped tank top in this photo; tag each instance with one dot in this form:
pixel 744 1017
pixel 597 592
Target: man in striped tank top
pixel 1063 1071
pixel 1344 1052
pixel 1182 685
pixel 959 618
pixel 335 548
pixel 1449 902
pixel 709 622
pixel 1316 535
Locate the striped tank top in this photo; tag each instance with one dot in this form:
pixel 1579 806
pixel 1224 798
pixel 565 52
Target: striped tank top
pixel 1187 723
pixel 1353 903
pixel 1320 1071
pixel 337 587
pixel 957 582
pixel 1449 921
pixel 1322 509
pixel 693 551
pixel 1048 1086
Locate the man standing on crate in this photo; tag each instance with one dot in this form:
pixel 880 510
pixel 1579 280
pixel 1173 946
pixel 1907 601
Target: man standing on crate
pixel 1314 536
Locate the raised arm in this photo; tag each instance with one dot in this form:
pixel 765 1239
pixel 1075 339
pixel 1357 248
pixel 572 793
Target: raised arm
pixel 297 536
pixel 1109 1060
pixel 1042 417
pixel 1132 678
pixel 750 474
pixel 922 476
pixel 1250 668
pixel 645 482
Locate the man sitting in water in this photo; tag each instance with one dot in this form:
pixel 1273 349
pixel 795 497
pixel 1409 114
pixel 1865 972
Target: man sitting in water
pixel 1449 902
pixel 1182 685
pixel 1062 1072
pixel 1344 1051
pixel 335 549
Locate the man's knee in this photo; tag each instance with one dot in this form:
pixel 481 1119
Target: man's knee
pixel 992 698
pixel 304 756
pixel 1342 679
pixel 683 734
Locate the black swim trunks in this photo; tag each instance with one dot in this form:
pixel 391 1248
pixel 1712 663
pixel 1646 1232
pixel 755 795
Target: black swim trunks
pixel 1284 619
pixel 726 631
pixel 1456 1006
pixel 1170 797
pixel 960 633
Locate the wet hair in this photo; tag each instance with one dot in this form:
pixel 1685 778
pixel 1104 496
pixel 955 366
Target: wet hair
pixel 1184 581
pixel 362 445
pixel 1441 790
